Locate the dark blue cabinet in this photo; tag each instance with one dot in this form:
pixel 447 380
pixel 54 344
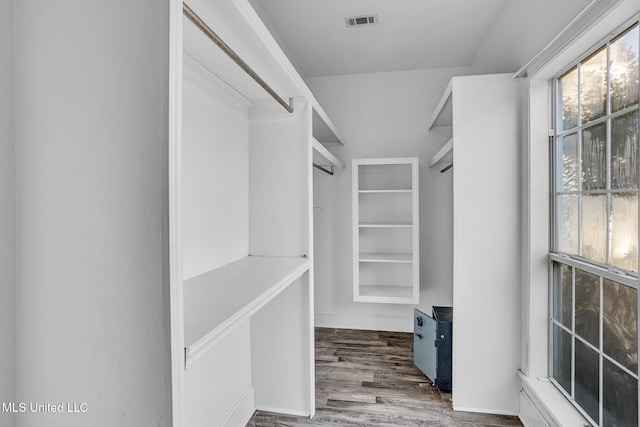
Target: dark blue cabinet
pixel 432 345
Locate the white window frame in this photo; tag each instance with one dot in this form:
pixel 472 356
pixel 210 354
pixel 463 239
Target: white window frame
pixel 581 35
pixel 574 261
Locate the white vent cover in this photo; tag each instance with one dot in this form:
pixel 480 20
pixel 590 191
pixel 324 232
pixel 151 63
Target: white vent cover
pixel 359 21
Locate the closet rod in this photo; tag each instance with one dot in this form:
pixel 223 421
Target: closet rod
pixel 323 169
pixel 446 168
pixel 202 26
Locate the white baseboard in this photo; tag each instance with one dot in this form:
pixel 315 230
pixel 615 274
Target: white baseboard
pixel 371 322
pixel 282 411
pixel 485 411
pixel 242 411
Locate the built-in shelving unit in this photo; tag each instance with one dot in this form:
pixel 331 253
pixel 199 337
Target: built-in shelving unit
pixel 483 129
pixel 243 318
pixel 385 230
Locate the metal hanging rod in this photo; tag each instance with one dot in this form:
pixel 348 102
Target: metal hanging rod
pixel 202 26
pixel 323 169
pixel 446 168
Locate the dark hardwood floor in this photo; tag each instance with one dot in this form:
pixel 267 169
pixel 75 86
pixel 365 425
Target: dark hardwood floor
pixel 367 378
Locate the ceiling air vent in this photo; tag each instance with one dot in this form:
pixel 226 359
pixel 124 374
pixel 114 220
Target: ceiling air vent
pixel 359 21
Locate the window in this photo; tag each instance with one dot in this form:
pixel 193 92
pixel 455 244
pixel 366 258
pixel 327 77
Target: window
pixel 594 315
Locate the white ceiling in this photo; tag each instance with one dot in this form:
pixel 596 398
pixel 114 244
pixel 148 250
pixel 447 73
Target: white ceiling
pixel 496 35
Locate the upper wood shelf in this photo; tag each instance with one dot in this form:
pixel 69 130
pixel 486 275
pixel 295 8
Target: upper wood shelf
pixel 325 155
pixel 385 224
pixel 256 46
pixel 385 191
pixel 218 300
pixel 386 257
pixel 444 155
pixel 443 114
pixel 323 128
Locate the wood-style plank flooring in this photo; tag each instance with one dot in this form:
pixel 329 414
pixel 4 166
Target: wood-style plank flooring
pixel 367 378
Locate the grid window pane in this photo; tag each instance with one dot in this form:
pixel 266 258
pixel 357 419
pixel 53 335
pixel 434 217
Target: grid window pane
pixel 620 324
pixel 619 398
pixel 587 380
pixel 594 158
pixel 562 357
pixel 624 231
pixel 593 227
pixel 568 163
pixel 624 151
pixel 594 325
pixel 563 294
pixel 588 306
pixel 567 222
pixel 624 70
pixel 593 86
pixel 568 96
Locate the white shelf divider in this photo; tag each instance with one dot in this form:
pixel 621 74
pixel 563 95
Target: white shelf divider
pixel 442 153
pixel 322 151
pixel 216 301
pixel 386 224
pixel 386 257
pixel 443 107
pixel 323 128
pixel 384 191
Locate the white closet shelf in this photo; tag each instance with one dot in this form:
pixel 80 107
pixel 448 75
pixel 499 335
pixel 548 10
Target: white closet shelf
pixel 385 257
pixel 326 155
pixel 256 46
pixel 323 128
pixel 385 224
pixel 216 301
pixel 444 155
pixel 386 293
pixel 385 191
pixel 443 114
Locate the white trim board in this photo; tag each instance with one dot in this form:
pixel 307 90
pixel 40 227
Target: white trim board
pixel 372 322
pixel 485 411
pixel 576 28
pixel 176 314
pixel 267 408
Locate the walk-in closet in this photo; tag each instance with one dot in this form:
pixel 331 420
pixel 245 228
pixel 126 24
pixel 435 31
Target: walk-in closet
pixel 316 213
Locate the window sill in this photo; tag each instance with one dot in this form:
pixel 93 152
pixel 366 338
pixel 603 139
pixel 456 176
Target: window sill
pixel 554 407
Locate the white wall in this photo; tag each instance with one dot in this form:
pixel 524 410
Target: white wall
pixel 215 188
pixel 7 213
pixel 92 209
pixel 512 41
pixel 381 115
pixel 279 179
